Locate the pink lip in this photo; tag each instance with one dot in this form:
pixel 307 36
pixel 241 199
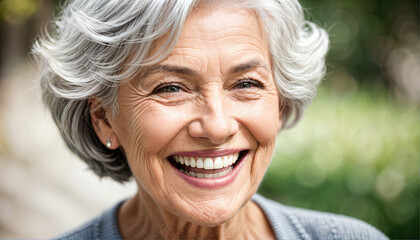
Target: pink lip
pixel 209 153
pixel 211 183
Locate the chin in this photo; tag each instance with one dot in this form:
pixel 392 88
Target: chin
pixel 214 218
pixel 214 213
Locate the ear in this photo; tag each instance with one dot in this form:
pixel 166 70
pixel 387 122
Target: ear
pixel 101 124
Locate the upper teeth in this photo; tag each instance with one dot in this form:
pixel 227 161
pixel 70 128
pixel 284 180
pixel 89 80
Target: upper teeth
pixel 207 163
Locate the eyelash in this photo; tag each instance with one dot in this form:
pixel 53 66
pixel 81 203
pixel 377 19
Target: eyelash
pixel 253 82
pixel 161 88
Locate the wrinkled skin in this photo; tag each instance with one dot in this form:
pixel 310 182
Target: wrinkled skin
pixel 209 107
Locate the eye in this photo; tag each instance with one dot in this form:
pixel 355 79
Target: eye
pixel 167 88
pixel 247 83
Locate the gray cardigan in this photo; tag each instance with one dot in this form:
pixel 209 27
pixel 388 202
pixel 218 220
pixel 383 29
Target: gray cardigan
pixel 287 223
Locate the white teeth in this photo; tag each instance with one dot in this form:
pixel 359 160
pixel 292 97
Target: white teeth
pixel 218 163
pixel 208 163
pixel 225 161
pixel 235 157
pixel 208 175
pixel 192 162
pixel 200 163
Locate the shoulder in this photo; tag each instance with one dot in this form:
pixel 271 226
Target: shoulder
pixel 309 224
pixel 104 226
pixel 87 231
pixel 334 226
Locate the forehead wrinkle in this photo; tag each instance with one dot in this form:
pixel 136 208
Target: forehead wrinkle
pixel 189 56
pixel 237 32
pixel 247 59
pixel 211 25
pixel 241 42
pixel 252 64
pixel 189 60
pixel 167 66
pixel 247 51
pixel 208 19
pixel 224 34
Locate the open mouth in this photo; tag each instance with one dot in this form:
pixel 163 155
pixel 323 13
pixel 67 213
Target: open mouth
pixel 207 167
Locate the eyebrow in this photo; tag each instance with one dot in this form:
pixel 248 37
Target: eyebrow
pixel 164 68
pixel 170 69
pixel 247 66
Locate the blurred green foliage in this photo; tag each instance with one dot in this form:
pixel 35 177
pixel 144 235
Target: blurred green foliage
pixel 354 154
pixel 356 151
pixel 363 33
pixel 17 11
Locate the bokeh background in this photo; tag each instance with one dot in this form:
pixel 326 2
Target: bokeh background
pixel 356 151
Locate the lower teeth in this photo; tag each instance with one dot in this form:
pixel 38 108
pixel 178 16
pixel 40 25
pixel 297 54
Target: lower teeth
pixel 207 175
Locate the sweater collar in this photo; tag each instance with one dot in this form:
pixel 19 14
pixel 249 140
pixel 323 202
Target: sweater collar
pixel 280 221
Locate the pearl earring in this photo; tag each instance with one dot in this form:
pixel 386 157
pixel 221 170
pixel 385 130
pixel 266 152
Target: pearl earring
pixel 108 143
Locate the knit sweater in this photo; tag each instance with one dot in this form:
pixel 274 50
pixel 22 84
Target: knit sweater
pixel 287 223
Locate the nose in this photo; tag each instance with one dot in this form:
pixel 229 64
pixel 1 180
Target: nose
pixel 216 123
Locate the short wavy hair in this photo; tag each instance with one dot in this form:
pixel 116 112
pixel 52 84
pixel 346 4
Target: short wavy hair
pixel 94 46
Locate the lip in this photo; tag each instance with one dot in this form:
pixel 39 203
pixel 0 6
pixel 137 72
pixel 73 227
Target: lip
pixel 209 153
pixel 213 183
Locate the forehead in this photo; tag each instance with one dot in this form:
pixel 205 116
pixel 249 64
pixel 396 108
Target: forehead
pixel 210 21
pixel 235 34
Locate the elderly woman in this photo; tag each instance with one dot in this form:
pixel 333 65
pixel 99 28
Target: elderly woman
pixel 187 97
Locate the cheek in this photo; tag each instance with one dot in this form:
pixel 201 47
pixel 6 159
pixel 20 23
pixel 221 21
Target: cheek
pixel 148 127
pixel 262 119
pixel 152 126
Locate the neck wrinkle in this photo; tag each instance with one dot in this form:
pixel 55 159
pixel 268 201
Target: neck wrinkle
pixel 140 217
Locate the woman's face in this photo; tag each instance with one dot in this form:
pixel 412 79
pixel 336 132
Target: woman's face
pixel 212 101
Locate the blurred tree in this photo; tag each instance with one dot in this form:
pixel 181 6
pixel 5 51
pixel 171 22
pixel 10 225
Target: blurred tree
pixel 17 11
pixel 365 36
pixel 356 151
pixel 20 21
pixel 355 155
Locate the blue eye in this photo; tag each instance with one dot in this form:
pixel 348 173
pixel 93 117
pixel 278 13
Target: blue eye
pixel 171 89
pixel 167 89
pixel 244 85
pixel 247 83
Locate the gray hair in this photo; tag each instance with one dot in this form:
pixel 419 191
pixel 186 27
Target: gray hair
pixel 96 45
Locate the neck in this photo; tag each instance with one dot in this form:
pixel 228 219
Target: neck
pixel 140 217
